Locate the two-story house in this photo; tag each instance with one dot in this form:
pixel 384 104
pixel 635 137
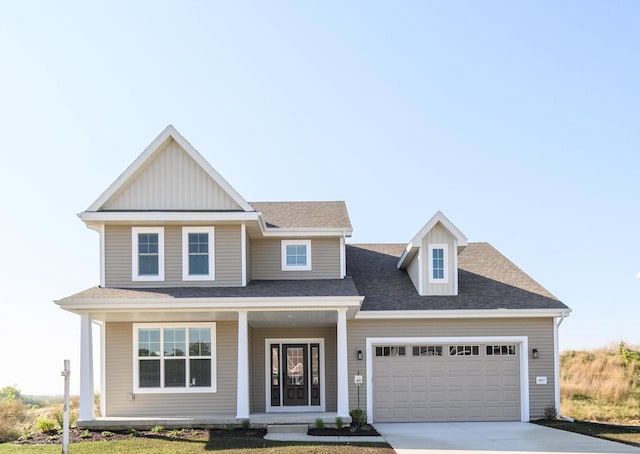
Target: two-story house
pixel 215 310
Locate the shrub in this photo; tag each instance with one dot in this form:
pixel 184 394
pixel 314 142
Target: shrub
pixel 12 413
pixel 319 424
pixel 45 425
pixel 358 417
pixel 157 429
pixel 106 434
pixel 230 427
pixel 339 422
pixel 550 412
pixel 85 434
pixel 246 424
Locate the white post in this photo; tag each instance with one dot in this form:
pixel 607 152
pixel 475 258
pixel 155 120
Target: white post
pixel 86 369
pixel 343 372
pixel 65 418
pixel 243 367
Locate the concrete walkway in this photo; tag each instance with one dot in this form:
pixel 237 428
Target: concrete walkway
pixel 491 438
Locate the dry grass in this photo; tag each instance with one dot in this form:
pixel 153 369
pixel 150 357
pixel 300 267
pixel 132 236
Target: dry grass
pixel 600 385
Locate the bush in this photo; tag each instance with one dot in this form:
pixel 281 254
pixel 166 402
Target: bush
pixel 157 429
pixel 319 424
pixel 230 427
pixel 106 434
pixel 339 422
pixel 45 425
pixel 12 413
pixel 246 424
pixel 550 412
pixel 358 417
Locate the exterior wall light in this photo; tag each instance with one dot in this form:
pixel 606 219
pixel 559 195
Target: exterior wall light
pixel 534 353
pixel 359 354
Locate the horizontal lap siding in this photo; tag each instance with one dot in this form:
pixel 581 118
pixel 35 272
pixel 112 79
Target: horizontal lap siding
pixel 266 260
pixel 227 252
pixel 538 330
pixel 119 379
pixel 258 357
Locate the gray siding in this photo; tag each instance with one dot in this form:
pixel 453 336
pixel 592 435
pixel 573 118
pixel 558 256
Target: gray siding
pixel 266 260
pixel 258 356
pixel 439 235
pixel 119 379
pixel 538 330
pixel 248 258
pixel 172 180
pixel 228 265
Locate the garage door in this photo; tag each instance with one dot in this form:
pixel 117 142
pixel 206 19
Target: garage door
pixel 448 382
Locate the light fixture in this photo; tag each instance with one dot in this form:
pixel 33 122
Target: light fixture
pixel 359 354
pixel 534 353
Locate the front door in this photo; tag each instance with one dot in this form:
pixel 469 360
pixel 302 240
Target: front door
pixel 295 374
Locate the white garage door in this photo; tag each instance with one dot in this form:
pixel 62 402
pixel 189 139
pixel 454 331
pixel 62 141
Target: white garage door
pixel 448 382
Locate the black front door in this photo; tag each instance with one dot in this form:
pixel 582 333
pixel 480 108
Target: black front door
pixel 294 374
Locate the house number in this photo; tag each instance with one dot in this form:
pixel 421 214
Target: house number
pixel 358 380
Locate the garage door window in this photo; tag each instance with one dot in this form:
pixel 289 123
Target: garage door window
pixel 464 350
pixel 391 350
pixel 501 350
pixel 427 350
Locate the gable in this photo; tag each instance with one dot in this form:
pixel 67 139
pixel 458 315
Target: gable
pixel 170 175
pixel 171 180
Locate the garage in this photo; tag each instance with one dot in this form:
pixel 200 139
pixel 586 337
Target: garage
pixel 446 382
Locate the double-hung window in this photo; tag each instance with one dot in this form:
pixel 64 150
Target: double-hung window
pixel 296 255
pixel 174 357
pixel 438 264
pixel 198 261
pixel 147 253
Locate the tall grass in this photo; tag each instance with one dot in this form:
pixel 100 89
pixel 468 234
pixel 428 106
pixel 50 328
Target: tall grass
pixel 602 384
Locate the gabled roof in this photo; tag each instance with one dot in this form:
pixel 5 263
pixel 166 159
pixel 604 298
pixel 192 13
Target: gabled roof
pixel 304 214
pixel 486 280
pixel 413 245
pixel 149 153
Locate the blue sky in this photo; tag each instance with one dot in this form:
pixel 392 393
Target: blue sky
pixel 519 120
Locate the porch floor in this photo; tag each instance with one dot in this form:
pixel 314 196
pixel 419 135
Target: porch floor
pixel 258 420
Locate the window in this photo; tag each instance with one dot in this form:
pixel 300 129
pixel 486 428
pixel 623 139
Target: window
pixel 296 255
pixel 174 358
pixel 198 260
pixel 391 350
pixel 464 350
pixel 427 350
pixel 147 254
pixel 501 350
pixel 438 266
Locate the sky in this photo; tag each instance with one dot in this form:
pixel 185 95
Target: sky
pixel 519 120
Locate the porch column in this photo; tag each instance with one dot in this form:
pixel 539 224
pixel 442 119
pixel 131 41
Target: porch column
pixel 86 369
pixel 242 392
pixel 343 373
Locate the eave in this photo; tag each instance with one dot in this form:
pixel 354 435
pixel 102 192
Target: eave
pixel 466 313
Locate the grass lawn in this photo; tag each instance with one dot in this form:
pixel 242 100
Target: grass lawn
pixel 230 445
pixel 628 435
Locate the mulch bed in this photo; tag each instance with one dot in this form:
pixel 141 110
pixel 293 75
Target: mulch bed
pixel 78 436
pixel 594 429
pixel 364 431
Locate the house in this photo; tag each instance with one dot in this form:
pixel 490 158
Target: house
pixel 213 310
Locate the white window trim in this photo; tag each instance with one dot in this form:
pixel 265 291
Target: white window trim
pixel 445 261
pixel 185 254
pixel 162 390
pixel 135 231
pixel 286 243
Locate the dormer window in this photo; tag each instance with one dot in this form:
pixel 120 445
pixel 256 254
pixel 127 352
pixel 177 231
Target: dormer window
pixel 296 255
pixel 438 266
pixel 197 254
pixel 147 253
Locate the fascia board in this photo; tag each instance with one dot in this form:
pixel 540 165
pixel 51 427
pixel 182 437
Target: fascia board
pixel 480 313
pixel 170 216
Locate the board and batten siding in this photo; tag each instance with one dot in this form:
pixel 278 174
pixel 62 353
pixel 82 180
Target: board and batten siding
pixel 171 181
pixel 439 235
pixel 228 264
pixel 538 330
pixel 413 270
pixel 258 358
pixel 266 260
pixel 119 379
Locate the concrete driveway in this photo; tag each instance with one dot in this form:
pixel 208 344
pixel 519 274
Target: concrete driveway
pixel 491 438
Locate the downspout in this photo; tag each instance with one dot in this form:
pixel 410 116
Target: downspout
pixel 556 354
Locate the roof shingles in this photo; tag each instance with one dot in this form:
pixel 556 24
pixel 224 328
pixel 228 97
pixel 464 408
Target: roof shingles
pixel 304 214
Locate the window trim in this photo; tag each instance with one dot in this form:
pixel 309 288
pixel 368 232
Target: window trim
pixel 445 263
pixel 185 254
pixel 283 252
pixel 135 232
pixel 173 390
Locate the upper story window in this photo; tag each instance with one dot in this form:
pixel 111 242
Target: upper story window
pixel 296 255
pixel 198 260
pixel 147 254
pixel 438 265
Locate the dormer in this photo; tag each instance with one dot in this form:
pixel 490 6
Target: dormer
pixel 431 257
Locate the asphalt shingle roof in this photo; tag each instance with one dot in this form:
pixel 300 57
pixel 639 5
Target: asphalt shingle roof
pixel 304 214
pixel 486 280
